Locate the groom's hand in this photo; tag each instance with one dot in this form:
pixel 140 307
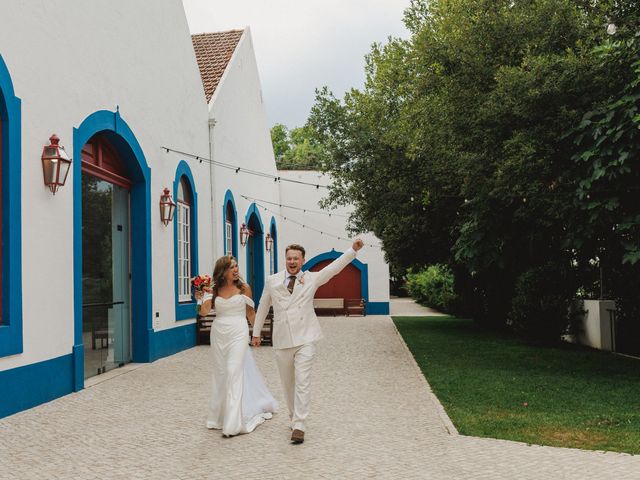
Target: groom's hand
pixel 357 244
pixel 255 341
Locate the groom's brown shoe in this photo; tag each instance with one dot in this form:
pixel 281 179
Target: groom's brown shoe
pixel 297 436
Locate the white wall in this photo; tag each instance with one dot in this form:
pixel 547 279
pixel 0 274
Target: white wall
pixel 241 137
pixel 596 325
pixel 68 59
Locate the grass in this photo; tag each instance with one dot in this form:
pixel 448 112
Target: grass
pixel 493 385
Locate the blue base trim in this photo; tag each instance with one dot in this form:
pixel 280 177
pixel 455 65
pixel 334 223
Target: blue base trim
pixel 185 311
pixel 377 308
pixel 28 386
pixel 78 366
pixel 173 340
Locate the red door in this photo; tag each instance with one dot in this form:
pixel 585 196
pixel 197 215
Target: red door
pixel 344 285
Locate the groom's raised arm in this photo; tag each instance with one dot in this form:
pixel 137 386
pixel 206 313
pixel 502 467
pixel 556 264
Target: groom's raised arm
pixel 339 263
pixel 261 315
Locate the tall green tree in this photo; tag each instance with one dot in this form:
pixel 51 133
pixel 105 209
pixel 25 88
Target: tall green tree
pixel 607 157
pixel 456 150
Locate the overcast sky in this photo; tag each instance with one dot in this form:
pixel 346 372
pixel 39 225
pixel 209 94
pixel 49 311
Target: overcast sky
pixel 302 45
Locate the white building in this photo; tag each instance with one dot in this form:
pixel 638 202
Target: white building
pixel 91 277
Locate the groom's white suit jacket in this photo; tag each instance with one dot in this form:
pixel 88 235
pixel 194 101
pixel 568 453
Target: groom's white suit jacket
pixel 294 319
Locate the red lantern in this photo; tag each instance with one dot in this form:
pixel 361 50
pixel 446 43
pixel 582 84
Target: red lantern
pixel 55 164
pixel 268 242
pixel 167 207
pixel 244 234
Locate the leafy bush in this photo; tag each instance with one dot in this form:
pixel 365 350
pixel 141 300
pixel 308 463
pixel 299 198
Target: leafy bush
pixel 433 287
pixel 541 307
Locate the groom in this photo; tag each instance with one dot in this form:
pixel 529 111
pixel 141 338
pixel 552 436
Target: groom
pixel 295 326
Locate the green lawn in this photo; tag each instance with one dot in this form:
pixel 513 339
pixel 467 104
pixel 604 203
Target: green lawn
pixel 497 386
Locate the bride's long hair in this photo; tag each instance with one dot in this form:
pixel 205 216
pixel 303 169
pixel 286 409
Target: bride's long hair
pixel 222 265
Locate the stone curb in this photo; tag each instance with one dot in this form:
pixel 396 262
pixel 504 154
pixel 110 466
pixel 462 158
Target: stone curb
pixel 444 418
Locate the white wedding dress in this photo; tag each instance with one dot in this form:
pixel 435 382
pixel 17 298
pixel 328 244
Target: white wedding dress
pixel 240 399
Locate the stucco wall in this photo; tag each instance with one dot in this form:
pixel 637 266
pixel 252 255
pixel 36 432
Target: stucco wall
pixel 241 137
pixel 67 60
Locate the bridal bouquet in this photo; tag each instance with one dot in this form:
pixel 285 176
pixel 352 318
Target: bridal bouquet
pixel 202 285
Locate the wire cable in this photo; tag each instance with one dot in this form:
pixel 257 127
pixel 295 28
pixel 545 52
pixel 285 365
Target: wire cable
pixel 238 169
pixel 305 210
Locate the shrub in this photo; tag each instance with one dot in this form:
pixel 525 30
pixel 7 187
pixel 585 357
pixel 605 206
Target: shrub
pixel 542 305
pixel 432 287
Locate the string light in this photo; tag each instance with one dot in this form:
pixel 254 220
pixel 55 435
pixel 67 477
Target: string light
pixel 237 169
pixel 304 210
pixel 304 226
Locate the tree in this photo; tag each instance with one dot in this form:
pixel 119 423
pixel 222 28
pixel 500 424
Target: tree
pixel 280 141
pixel 295 149
pixel 607 154
pixel 456 150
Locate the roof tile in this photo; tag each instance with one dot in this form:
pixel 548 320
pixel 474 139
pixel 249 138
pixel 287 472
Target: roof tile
pixel 213 52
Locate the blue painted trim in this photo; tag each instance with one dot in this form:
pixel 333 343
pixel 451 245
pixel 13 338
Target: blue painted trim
pixel 124 141
pixel 11 342
pixel 173 340
pixel 228 197
pixel 28 386
pixel 258 254
pixel 274 235
pixel 185 310
pixel 377 308
pixel 363 267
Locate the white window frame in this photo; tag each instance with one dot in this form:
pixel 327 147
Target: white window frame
pixel 184 252
pixel 228 237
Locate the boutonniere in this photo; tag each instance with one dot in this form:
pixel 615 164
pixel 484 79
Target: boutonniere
pixel 301 279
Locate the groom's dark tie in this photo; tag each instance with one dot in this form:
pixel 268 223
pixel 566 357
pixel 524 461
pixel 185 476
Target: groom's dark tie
pixel 292 281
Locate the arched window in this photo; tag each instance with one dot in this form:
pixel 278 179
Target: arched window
pixel 273 254
pixel 230 225
pixel 228 229
pixel 184 241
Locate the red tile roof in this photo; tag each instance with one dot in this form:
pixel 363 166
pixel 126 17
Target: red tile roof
pixel 213 52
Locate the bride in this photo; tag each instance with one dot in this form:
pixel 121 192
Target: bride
pixel 240 400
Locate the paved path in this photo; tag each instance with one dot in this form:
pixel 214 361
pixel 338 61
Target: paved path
pixel 373 416
pixel 407 307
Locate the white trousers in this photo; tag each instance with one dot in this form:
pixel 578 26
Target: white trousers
pixel 294 365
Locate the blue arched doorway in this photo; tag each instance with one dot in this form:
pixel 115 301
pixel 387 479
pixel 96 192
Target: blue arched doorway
pixel 255 252
pixel 355 268
pixel 10 216
pixel 111 129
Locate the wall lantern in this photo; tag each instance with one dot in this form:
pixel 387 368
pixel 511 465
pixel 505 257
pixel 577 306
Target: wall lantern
pixel 244 234
pixel 55 164
pixel 268 242
pixel 167 207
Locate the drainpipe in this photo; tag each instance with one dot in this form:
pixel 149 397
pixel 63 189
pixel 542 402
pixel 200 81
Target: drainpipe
pixel 212 180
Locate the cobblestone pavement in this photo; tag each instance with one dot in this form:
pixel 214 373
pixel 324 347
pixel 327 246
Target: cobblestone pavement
pixel 373 416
